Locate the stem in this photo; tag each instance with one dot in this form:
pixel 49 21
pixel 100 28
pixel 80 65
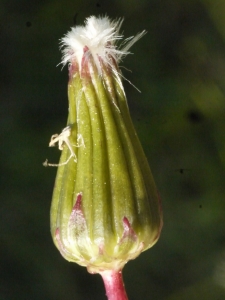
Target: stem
pixel 114 285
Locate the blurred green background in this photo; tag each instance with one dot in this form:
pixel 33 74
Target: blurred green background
pixel 179 66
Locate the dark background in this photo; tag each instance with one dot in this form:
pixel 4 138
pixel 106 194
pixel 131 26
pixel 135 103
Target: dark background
pixel 180 117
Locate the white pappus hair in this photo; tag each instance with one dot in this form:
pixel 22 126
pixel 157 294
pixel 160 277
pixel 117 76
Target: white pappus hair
pixel 101 36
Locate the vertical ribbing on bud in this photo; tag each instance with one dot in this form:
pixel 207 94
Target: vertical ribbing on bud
pixel 105 208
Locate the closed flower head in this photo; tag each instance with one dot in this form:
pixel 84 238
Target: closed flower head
pixel 105 208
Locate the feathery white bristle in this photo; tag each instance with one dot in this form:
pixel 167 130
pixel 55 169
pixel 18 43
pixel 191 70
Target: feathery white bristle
pixel 100 35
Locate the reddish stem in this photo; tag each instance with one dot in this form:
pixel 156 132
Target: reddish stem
pixel 114 285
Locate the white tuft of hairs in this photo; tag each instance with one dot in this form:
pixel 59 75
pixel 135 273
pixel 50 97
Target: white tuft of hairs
pixel 101 36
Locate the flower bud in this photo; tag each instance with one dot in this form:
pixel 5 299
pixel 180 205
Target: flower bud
pixel 105 208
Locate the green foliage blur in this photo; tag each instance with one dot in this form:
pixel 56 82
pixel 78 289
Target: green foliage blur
pixel 179 66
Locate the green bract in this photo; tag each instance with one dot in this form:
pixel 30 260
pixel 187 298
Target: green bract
pixel 105 208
